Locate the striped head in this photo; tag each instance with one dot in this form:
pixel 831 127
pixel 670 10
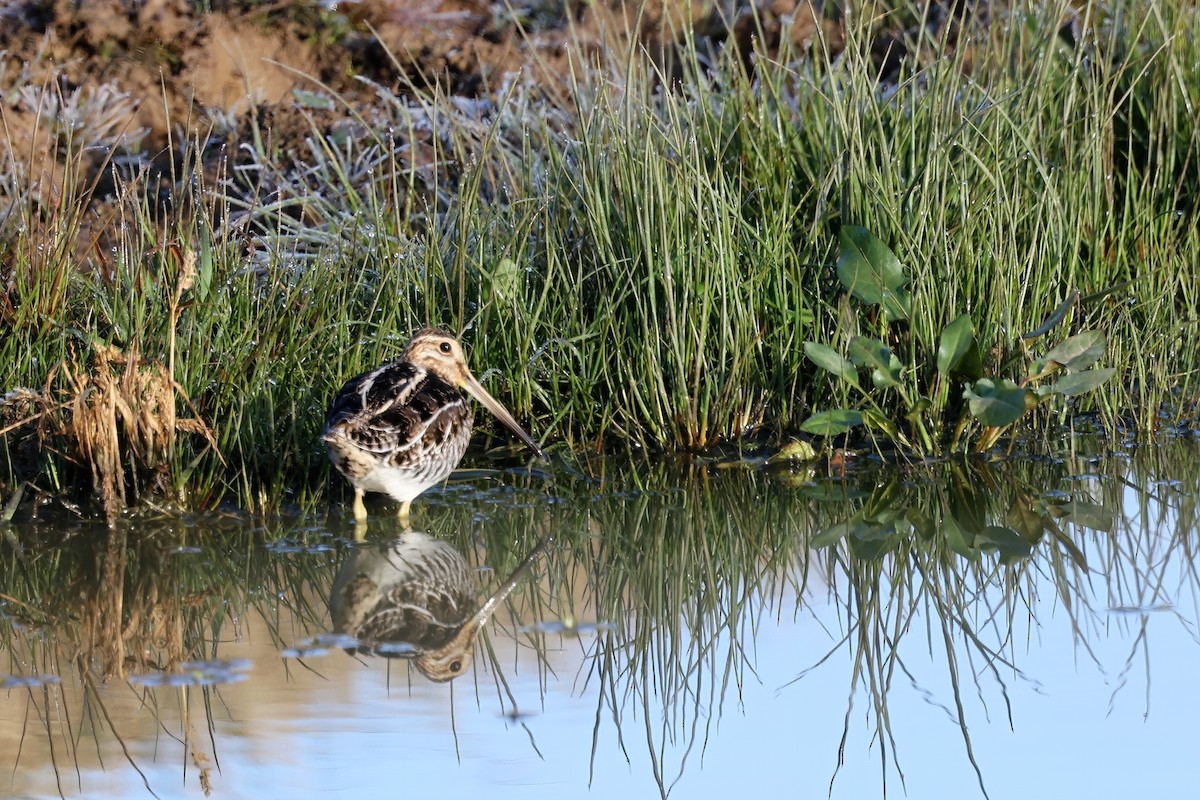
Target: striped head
pixel 439 353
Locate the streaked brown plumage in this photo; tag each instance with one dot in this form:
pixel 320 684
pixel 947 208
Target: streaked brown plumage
pixel 403 427
pixel 416 597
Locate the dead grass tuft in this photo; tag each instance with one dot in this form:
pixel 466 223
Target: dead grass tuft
pixel 123 422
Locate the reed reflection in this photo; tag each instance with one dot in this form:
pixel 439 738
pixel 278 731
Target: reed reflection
pixel 416 597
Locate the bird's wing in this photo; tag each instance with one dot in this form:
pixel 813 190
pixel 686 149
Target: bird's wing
pixel 393 408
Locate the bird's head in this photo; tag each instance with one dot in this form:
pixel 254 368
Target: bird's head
pixel 440 353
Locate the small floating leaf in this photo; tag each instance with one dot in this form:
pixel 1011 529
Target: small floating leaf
pixel 829 359
pixel 996 404
pixel 957 351
pixel 795 450
pixel 831 423
pixel 1077 383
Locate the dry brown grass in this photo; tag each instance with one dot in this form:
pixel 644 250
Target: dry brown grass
pixel 123 422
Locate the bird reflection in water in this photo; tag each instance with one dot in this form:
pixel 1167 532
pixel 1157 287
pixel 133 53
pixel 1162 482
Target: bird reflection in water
pixel 416 597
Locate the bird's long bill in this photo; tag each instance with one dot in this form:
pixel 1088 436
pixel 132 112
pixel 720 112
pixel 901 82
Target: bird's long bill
pixel 493 405
pixel 461 646
pixel 492 603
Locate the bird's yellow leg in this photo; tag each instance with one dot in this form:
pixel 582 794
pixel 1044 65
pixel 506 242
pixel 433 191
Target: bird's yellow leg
pixel 402 514
pixel 360 510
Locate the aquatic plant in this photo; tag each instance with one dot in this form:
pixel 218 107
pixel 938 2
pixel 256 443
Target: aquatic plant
pixel 636 257
pixel 873 275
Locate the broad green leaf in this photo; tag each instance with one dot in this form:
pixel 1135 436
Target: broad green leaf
pixel 875 355
pixel 865 531
pixel 830 536
pixel 921 522
pixel 996 404
pixel 879 528
pixel 1005 541
pixel 957 351
pixel 871 272
pixel 958 538
pixel 871 549
pixel 1077 383
pixel 1079 352
pixel 831 423
pixel 1090 515
pixel 829 359
pixel 1026 520
pixel 896 305
pixel 1041 368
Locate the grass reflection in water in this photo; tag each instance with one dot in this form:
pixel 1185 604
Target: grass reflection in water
pixel 645 591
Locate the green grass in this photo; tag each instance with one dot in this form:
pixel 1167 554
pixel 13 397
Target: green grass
pixel 634 261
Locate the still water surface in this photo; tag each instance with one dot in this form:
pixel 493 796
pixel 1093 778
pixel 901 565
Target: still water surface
pixel 1014 630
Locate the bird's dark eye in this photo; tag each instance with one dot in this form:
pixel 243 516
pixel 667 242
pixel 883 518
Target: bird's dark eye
pixel 455 666
pixel 445 347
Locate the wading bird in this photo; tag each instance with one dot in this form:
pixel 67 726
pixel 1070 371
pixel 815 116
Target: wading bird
pixel 416 597
pixel 403 427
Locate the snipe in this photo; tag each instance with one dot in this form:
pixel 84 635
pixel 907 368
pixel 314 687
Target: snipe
pixel 416 597
pixel 403 427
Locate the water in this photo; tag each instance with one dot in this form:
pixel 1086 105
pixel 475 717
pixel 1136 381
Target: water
pixel 1025 629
